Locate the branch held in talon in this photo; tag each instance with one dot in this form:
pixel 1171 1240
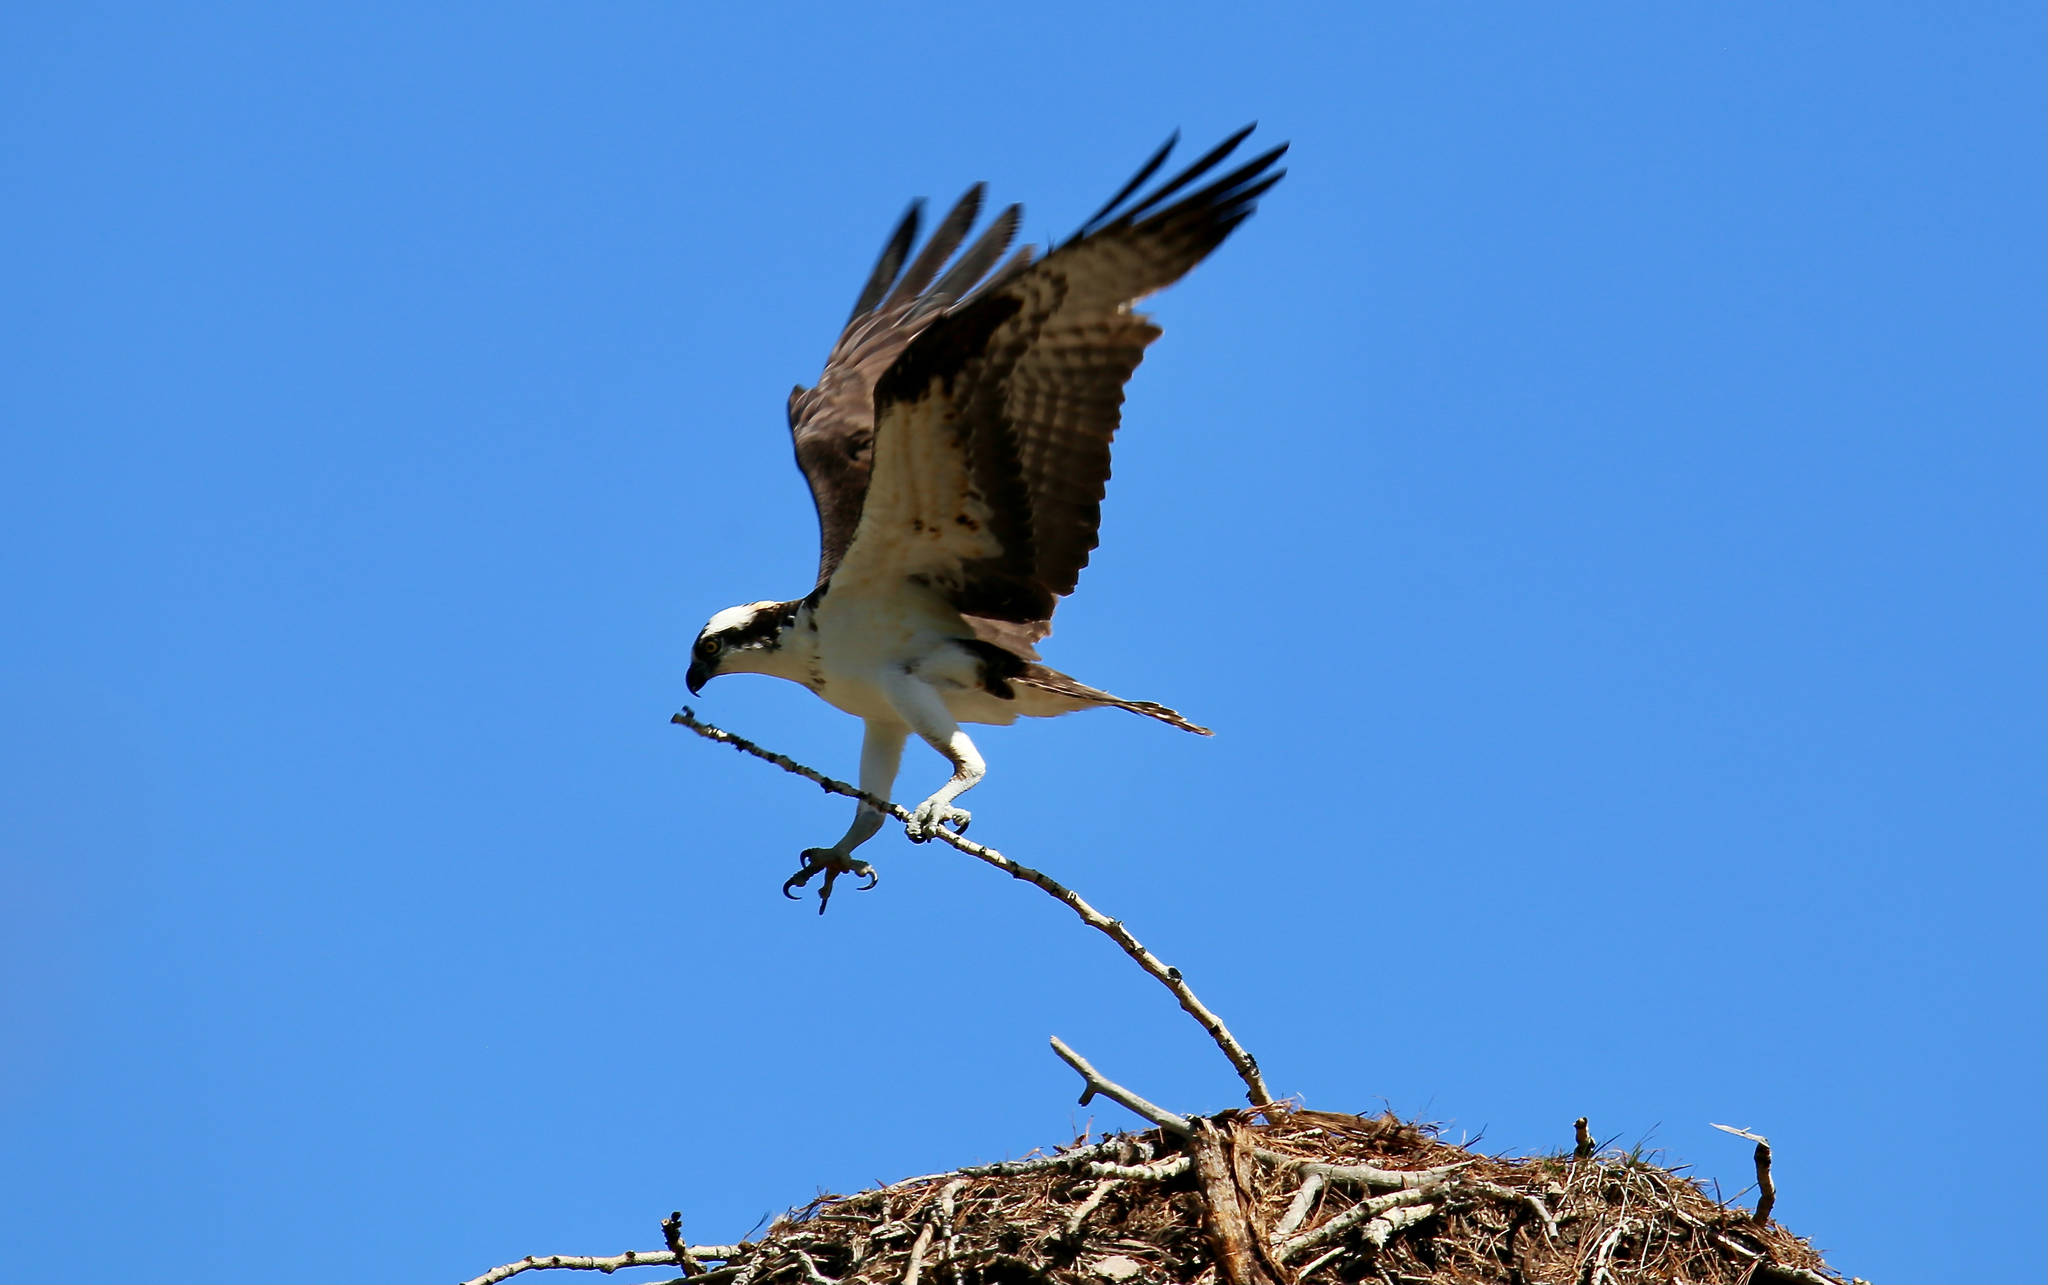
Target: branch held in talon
pixel 1114 929
pixel 957 448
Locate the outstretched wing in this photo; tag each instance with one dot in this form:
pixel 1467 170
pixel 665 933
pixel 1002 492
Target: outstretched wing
pixel 833 424
pixel 994 422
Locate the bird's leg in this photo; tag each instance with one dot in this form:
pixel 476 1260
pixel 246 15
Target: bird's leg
pixel 925 710
pixel 938 810
pixel 881 752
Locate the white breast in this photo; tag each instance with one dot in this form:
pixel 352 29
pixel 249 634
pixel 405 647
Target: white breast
pixel 862 636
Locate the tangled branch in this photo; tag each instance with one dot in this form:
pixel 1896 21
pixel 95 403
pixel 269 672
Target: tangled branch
pixel 1244 1063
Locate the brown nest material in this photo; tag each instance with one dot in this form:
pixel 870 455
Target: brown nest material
pixel 1253 1196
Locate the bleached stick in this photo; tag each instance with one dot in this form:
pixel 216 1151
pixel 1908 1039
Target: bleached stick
pixel 1097 1082
pixel 587 1263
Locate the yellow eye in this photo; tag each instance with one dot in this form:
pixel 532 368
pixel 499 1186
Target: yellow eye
pixel 707 647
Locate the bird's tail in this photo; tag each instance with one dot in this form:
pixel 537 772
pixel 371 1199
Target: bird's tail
pixel 1052 680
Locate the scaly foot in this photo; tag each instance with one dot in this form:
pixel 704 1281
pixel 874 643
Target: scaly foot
pixel 930 815
pixel 832 863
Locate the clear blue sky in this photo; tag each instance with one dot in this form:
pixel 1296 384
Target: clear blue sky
pixel 1598 501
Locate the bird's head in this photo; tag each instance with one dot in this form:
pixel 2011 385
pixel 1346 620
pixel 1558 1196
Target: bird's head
pixel 735 641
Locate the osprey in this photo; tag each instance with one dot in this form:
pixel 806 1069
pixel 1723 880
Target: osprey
pixel 956 446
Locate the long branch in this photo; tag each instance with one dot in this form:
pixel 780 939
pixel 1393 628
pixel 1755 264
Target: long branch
pixel 592 1263
pixel 1245 1064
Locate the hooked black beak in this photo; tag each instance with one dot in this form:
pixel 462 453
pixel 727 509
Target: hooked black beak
pixel 698 676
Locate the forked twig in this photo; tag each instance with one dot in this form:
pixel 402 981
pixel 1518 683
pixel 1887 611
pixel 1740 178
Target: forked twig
pixel 672 1235
pixel 1097 1082
pixel 1244 1063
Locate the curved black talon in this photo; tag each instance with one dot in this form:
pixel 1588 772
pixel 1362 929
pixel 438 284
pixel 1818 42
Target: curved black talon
pixel 833 865
pixel 832 874
pixel 949 820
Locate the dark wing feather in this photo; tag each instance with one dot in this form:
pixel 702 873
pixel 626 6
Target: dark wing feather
pixel 946 238
pixel 833 424
pixel 1136 181
pixel 995 421
pixel 891 262
pixel 978 258
pixel 1196 170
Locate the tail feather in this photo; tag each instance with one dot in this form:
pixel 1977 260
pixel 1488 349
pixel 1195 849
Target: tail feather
pixel 1153 709
pixel 1052 680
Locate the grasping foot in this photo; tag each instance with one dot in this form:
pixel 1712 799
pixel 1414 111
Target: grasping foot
pixel 931 814
pixel 832 863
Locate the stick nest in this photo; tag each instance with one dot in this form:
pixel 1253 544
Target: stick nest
pixel 1242 1198
pixel 1316 1195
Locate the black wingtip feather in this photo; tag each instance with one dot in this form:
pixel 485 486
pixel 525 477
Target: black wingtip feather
pixel 1145 171
pixel 1207 162
pixel 945 239
pixel 1236 188
pixel 891 262
pixel 978 258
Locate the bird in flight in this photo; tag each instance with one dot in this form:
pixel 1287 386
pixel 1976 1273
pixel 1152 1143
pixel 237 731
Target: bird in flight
pixel 957 446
